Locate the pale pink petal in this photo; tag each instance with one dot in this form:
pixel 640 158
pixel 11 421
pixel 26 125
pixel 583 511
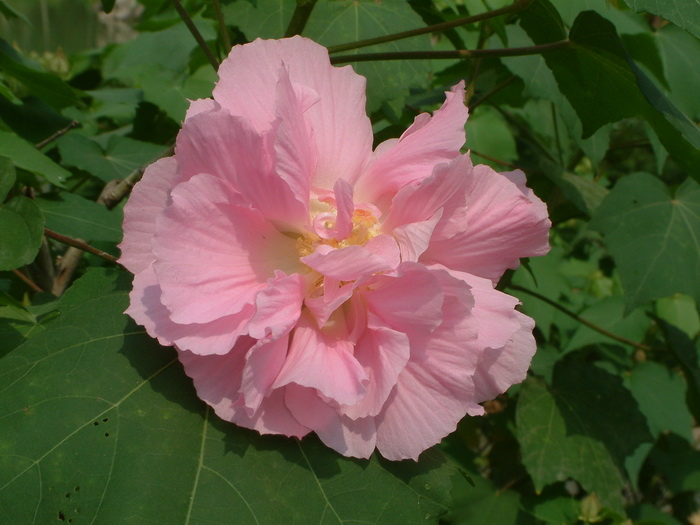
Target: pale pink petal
pixel 148 199
pixel 295 150
pixel 229 148
pixel 499 368
pixel 213 256
pixel 216 337
pixel 342 434
pixel 322 359
pixel 217 380
pixel 418 150
pixel 201 105
pixel 277 307
pixel 386 247
pixel 345 208
pixel 409 302
pixel 263 362
pixel 383 353
pixel 435 390
pixel 505 222
pixel 334 295
pixel 346 264
pixel 413 239
pixel 341 130
pixel 445 189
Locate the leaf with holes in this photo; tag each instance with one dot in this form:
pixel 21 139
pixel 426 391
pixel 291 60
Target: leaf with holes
pixel 653 236
pixel 101 424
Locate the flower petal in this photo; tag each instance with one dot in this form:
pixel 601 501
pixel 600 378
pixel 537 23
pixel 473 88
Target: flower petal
pixel 217 380
pixel 434 391
pixel 228 147
pixel 263 362
pixel 224 257
pixel 505 221
pixel 215 337
pixel 346 264
pixel 277 307
pixel 429 141
pixel 342 434
pixel 148 199
pixel 341 130
pixel 322 359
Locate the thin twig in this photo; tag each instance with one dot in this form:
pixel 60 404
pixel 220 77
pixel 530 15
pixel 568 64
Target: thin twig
pixel 222 26
pixel 27 281
pixel 494 159
pixel 49 140
pixel 77 243
pixel 301 15
pixel 580 319
pixel 499 87
pixel 455 54
pixel 516 6
pixel 196 34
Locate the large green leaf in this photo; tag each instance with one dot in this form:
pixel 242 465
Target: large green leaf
pixel 24 155
pixel 574 431
pixel 681 57
pixel 685 13
pixel 604 85
pixel 22 227
pixel 101 424
pixel 46 86
pixel 75 216
pixel 653 236
pixel 121 156
pixel 334 22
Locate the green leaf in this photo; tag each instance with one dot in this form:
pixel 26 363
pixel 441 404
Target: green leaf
pixel 10 12
pixel 7 177
pixel 604 85
pixel 660 394
pixel 46 86
pixel 686 353
pixel 333 23
pixel 653 236
pixel 488 133
pixel 24 155
pixel 480 503
pixel 575 431
pixel 102 424
pixel 74 216
pixel 121 157
pixel 22 227
pixel 685 13
pixel 681 58
pixel 681 311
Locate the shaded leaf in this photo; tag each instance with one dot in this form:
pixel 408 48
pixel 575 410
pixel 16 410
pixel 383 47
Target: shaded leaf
pixel 74 216
pixel 46 86
pixel 7 177
pixel 24 155
pixel 10 12
pixel 681 311
pixel 99 421
pixel 22 227
pixel 653 236
pixel 685 13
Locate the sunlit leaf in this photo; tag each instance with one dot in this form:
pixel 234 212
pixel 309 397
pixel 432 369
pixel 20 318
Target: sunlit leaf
pixel 75 216
pixel 24 155
pixel 101 424
pixel 653 236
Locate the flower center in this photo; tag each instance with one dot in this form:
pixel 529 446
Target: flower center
pixel 365 226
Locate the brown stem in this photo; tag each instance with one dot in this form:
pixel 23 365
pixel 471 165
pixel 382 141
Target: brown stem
pixel 27 281
pixel 77 243
pixel 49 140
pixel 455 54
pixel 580 319
pixel 301 15
pixel 516 6
pixel 226 39
pixel 196 34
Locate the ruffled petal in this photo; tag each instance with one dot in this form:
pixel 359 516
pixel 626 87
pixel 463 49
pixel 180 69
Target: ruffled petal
pixel 323 359
pixel 262 364
pixel 277 307
pixel 214 256
pixel 346 264
pixel 505 221
pixel 341 130
pixel 350 438
pixel 434 391
pixel 414 238
pixel 148 199
pixel 228 147
pixel 217 380
pixel 429 141
pixel 215 337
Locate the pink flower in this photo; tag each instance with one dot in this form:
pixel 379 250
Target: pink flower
pixel 311 284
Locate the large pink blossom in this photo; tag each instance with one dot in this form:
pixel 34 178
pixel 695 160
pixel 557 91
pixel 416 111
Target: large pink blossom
pixel 311 284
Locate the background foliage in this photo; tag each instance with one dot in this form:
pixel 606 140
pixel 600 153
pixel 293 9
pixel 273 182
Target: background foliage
pixel 99 424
